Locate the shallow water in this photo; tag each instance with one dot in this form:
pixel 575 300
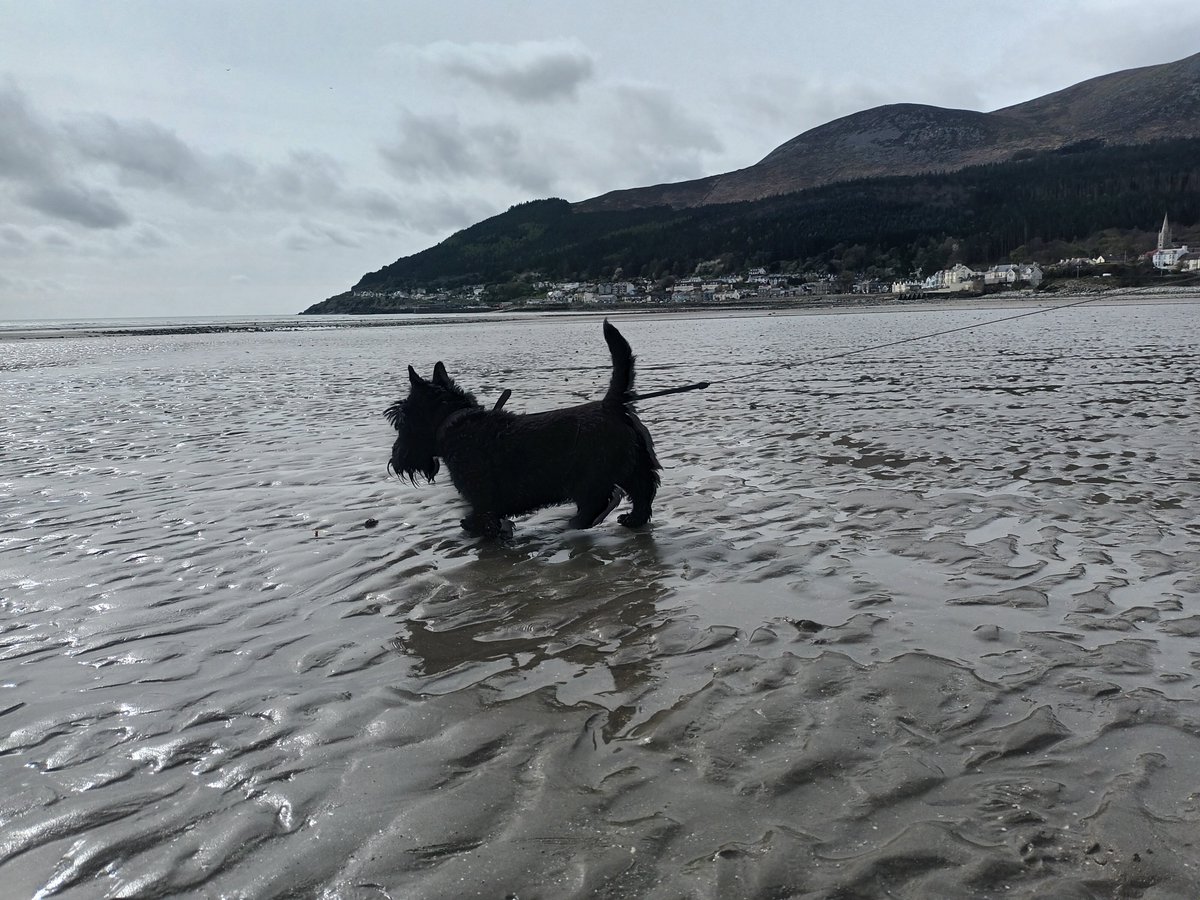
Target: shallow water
pixel 916 623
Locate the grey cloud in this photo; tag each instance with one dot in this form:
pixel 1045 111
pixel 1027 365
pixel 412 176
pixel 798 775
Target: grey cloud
pixel 310 180
pixel 309 235
pixel 39 287
pixel 62 169
pixel 146 156
pixel 93 171
pixel 148 237
pixel 142 152
pixel 378 205
pixel 77 203
pixel 652 117
pixel 640 135
pixel 528 71
pixel 26 144
pixel 140 241
pixel 28 157
pixel 12 236
pixel 439 145
pixel 16 240
pixel 307 176
pixel 443 147
pixel 648 138
pixel 432 145
pixel 51 236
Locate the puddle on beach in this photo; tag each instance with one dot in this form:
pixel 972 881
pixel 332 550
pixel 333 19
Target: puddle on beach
pixel 915 623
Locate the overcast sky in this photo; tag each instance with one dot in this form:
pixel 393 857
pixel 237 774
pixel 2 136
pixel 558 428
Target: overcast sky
pixel 238 158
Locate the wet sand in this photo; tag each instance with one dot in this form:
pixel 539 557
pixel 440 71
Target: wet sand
pixel 915 623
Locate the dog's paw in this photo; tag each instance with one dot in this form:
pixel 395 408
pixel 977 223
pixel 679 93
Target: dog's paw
pixel 500 530
pixel 488 526
pixel 629 520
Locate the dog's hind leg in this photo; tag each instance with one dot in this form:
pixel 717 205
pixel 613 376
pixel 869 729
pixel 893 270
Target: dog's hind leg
pixel 636 517
pixel 472 524
pixel 641 487
pixel 595 509
pixel 617 496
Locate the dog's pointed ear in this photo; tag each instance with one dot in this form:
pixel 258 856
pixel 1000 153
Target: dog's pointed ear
pixel 414 379
pixel 441 376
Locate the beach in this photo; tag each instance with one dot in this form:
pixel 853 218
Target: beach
pixel 917 622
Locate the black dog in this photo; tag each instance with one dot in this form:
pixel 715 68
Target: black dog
pixel 505 465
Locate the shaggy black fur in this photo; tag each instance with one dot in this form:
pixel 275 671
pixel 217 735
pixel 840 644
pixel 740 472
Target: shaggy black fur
pixel 506 465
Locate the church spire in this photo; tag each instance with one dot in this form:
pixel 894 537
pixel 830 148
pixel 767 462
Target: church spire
pixel 1164 236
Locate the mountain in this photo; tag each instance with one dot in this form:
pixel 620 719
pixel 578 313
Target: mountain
pixel 1130 107
pixel 887 190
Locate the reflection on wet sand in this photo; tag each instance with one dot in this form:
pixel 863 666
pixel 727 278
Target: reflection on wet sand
pixel 916 624
pixel 585 622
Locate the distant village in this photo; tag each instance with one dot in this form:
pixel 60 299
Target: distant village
pixel 758 285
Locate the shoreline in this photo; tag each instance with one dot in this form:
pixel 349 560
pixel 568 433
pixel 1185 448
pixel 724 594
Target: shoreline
pixel 840 304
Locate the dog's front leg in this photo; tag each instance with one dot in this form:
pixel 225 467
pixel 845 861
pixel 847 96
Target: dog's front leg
pixel 488 525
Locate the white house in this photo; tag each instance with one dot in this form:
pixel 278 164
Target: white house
pixel 1012 273
pixel 1167 256
pixel 958 277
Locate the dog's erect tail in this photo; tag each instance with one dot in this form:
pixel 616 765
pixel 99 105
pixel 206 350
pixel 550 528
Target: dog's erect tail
pixel 620 387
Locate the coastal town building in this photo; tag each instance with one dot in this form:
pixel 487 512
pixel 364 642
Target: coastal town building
pixel 1164 234
pixel 1167 255
pixel 963 278
pixel 957 278
pixel 1014 273
pixel 710 283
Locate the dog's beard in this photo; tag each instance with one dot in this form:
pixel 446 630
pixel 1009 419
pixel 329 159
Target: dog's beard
pixel 408 470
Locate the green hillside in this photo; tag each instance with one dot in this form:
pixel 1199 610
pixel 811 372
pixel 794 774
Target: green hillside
pixel 1029 208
